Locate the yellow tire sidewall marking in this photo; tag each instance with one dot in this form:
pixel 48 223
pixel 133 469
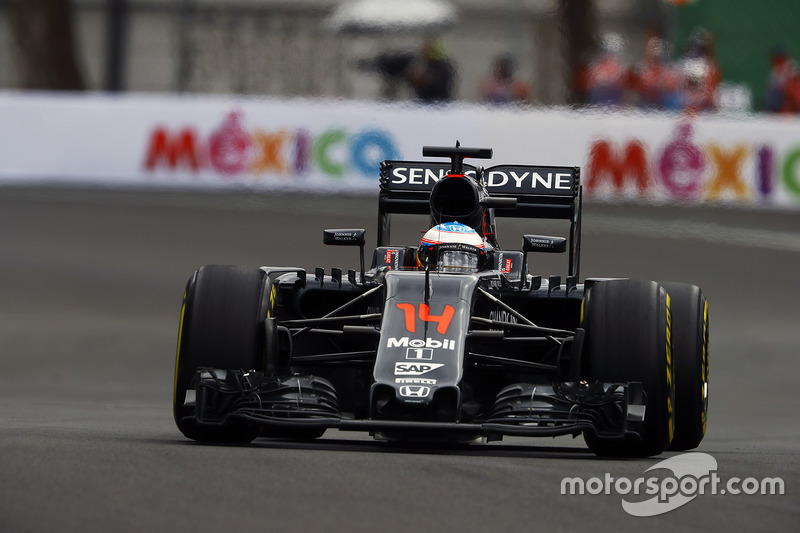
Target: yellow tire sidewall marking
pixel 670 371
pixel 178 352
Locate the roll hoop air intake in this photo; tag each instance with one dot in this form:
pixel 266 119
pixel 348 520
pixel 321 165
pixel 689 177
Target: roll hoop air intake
pixel 457 197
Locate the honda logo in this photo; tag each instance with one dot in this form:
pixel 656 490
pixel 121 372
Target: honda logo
pixel 414 391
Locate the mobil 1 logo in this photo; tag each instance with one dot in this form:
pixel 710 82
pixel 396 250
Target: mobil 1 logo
pixel 419 354
pixel 406 342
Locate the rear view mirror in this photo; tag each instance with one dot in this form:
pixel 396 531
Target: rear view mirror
pixel 344 237
pixel 347 237
pixel 544 244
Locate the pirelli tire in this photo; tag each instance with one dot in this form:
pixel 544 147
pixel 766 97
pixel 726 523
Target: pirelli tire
pixel 629 338
pixel 690 357
pixel 221 326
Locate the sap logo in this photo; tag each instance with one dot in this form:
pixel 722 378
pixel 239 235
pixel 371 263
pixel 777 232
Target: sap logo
pixel 405 342
pixel 414 369
pixel 414 392
pixel 533 180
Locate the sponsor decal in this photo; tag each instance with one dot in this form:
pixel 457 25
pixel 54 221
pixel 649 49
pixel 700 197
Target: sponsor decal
pixel 405 342
pixel 456 227
pixel 340 235
pixel 503 316
pixel 415 381
pixel 414 391
pixel 528 179
pixel 428 175
pixel 232 151
pixel 414 369
pixel 442 320
pixel 392 259
pixel 419 354
pixel 507 178
pixel 542 242
pixel 684 170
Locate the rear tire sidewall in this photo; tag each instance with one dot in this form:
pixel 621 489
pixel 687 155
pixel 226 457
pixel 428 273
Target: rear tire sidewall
pixel 690 353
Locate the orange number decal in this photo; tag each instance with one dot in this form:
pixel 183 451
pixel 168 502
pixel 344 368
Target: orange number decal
pixel 442 320
pixel 409 311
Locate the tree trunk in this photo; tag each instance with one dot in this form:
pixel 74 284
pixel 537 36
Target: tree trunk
pixel 43 34
pixel 579 27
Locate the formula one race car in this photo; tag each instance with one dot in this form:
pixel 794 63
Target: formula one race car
pixel 451 340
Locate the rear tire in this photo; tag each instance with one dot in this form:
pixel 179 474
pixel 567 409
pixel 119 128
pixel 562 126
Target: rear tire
pixel 690 354
pixel 221 326
pixel 628 338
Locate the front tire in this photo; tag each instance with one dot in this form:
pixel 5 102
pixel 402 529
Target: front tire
pixel 221 326
pixel 629 338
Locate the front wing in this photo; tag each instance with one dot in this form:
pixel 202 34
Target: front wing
pixel 228 397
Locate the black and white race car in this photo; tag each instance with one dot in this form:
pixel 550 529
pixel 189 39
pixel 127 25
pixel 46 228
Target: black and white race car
pixel 449 340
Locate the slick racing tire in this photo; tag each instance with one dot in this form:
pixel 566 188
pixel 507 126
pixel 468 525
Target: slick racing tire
pixel 690 357
pixel 221 326
pixel 628 339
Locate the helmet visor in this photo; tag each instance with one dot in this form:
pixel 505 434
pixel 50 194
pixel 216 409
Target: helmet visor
pixel 458 261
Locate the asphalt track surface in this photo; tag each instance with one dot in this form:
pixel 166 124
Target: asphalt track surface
pixel 90 290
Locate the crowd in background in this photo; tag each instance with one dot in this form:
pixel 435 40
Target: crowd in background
pixel 783 85
pixel 689 83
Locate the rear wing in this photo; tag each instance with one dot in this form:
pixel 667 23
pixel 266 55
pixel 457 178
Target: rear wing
pixel 541 192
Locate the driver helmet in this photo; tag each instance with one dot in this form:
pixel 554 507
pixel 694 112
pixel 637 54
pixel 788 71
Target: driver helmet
pixel 452 247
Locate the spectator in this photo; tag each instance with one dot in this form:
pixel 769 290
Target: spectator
pixel 656 83
pixel 701 75
pixel 500 87
pixel 393 69
pixel 606 78
pixel 431 74
pixel 783 85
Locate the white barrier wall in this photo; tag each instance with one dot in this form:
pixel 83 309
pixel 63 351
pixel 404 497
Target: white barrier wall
pixel 171 141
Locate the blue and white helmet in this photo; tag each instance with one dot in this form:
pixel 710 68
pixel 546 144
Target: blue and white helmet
pixel 452 247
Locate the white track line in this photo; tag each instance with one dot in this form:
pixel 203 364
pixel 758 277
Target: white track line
pixel 702 231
